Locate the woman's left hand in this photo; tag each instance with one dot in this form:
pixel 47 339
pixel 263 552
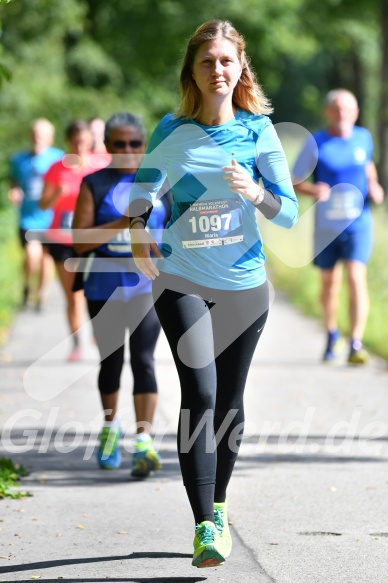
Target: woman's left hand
pixel 241 182
pixel 142 245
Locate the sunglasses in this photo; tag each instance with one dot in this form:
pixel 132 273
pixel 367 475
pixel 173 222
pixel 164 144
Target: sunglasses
pixel 121 144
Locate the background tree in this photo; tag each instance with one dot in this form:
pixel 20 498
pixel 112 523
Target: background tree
pixel 84 58
pixel 90 57
pixel 383 111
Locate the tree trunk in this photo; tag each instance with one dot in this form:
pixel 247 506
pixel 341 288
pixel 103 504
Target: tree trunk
pixel 346 72
pixel 358 84
pixel 383 113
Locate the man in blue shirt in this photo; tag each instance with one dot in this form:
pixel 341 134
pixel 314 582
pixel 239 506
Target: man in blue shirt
pixel 27 171
pixel 344 183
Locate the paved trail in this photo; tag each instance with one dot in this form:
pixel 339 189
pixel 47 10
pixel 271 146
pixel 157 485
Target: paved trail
pixel 308 499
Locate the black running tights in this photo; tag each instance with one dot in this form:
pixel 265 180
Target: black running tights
pixel 110 320
pixel 213 335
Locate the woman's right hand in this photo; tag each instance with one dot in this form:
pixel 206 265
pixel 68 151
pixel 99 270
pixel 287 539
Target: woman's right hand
pixel 142 244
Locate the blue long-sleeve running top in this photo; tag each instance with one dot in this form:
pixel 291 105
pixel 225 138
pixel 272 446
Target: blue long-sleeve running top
pixel 212 237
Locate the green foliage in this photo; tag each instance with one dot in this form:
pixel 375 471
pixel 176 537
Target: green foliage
pixel 5 74
pixel 88 65
pixel 10 270
pixel 9 474
pixel 84 58
pixel 376 332
pixel 133 49
pixel 26 21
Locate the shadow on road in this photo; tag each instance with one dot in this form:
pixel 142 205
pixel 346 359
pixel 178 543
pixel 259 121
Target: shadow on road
pixel 63 466
pixel 123 580
pixel 87 560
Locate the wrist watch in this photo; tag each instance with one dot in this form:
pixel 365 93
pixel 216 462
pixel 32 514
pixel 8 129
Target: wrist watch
pixel 260 197
pixel 136 220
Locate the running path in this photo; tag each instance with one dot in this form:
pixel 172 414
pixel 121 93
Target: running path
pixel 307 505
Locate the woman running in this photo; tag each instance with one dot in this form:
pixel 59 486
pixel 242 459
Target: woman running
pixel 210 287
pixel 62 184
pixel 118 294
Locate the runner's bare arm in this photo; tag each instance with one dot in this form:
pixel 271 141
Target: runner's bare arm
pixel 51 192
pixel 375 190
pixel 142 245
pixel 87 236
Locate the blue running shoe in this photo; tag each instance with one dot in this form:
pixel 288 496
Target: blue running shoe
pixel 108 453
pixel 145 460
pixel 334 348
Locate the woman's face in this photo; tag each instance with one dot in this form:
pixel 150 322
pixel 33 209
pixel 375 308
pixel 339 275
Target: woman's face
pixel 216 68
pixel 127 146
pixel 81 142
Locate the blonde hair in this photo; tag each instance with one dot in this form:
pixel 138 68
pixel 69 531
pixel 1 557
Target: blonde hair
pixel 247 94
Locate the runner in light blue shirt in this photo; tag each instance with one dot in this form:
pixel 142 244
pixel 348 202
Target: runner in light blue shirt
pixel 213 237
pixel 27 171
pixel 209 284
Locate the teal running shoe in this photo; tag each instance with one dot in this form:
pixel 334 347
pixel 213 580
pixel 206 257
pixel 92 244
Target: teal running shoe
pixel 108 453
pixel 221 522
pixel 207 546
pixel 145 460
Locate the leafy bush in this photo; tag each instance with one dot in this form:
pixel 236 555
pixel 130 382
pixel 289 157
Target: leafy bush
pixel 9 474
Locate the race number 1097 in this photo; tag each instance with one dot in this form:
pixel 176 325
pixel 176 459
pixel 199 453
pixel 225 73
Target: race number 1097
pixel 213 223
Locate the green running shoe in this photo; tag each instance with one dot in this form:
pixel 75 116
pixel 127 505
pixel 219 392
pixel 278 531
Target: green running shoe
pixel 221 522
pixel 145 460
pixel 358 356
pixel 207 546
pixel 108 453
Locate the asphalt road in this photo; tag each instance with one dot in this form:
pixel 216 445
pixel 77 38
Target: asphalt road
pixel 308 499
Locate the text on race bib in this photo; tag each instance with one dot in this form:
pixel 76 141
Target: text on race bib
pixel 211 223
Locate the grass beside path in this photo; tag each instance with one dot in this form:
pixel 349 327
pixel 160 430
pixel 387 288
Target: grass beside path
pixel 289 256
pixel 10 270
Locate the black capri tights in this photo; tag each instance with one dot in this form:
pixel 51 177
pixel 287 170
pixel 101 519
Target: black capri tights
pixel 213 335
pixel 110 320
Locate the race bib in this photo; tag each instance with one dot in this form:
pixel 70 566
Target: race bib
pixel 341 209
pixel 121 243
pixel 211 223
pixel 35 188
